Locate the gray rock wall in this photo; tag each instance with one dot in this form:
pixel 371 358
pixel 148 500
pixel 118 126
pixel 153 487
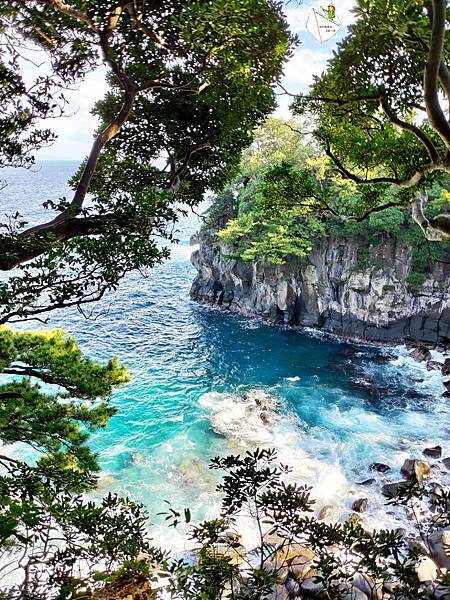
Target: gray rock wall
pixel 328 291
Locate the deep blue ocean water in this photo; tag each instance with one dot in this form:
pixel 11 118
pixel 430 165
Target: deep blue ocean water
pixel 339 406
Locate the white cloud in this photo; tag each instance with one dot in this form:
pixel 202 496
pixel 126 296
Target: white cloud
pixel 303 65
pixel 75 131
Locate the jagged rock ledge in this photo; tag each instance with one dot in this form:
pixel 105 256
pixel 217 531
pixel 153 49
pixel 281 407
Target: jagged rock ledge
pixel 330 292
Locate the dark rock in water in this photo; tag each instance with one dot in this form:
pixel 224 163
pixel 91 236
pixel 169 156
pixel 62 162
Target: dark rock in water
pixel 446 367
pixel 434 452
pixel 415 469
pixel 360 505
pixel 346 351
pixel 391 489
pixel 380 359
pixel 380 467
pixel 446 463
pixel 366 481
pixel 420 354
pixel 446 394
pixel 433 365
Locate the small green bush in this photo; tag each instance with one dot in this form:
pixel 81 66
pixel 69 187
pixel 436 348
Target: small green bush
pixel 415 280
pixel 363 258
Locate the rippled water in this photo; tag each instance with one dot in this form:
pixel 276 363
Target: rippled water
pixel 339 407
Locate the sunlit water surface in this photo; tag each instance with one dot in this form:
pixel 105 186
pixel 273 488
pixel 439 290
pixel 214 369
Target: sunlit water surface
pixel 339 407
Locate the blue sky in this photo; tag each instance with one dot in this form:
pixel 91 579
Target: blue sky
pixel 75 132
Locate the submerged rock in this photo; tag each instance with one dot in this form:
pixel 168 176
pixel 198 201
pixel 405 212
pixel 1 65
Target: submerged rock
pixel 446 463
pixel 106 481
pixel 366 481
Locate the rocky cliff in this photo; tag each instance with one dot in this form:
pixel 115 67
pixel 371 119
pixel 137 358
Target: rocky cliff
pixel 329 291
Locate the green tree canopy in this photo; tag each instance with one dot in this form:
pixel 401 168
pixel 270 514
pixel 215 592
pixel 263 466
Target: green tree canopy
pixel 53 397
pixel 188 83
pixel 275 141
pixel 379 105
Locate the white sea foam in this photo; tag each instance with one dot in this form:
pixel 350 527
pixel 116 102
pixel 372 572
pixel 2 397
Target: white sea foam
pixel 239 420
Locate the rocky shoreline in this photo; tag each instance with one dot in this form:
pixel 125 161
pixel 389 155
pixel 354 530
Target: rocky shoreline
pixel 426 517
pixel 331 290
pixel 330 293
pixel 295 565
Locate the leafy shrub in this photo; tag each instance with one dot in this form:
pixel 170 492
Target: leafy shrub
pixel 415 280
pixel 363 258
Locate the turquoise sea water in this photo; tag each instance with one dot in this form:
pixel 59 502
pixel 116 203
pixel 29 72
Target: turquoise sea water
pixel 338 407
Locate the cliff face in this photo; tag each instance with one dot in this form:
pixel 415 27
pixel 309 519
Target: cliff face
pixel 329 292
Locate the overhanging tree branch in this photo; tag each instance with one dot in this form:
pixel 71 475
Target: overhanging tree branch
pixel 406 183
pixel 70 11
pixel 420 135
pixel 432 69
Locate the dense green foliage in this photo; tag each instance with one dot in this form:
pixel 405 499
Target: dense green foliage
pixel 379 106
pixel 268 228
pixel 51 397
pixel 280 208
pixel 188 82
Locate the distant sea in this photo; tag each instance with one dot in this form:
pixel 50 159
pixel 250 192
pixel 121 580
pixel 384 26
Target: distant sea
pixel 339 407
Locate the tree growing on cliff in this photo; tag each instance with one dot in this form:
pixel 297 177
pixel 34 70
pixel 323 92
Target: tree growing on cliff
pixel 381 106
pixel 188 81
